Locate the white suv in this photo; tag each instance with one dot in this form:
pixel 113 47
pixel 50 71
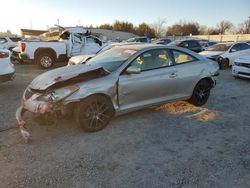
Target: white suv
pixel 9 42
pixel 7 69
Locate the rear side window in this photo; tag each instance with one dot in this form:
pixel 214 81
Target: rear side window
pixel 182 57
pixel 143 40
pixel 15 39
pixel 193 44
pixel 152 59
pixel 3 40
pixel 244 46
pixel 184 44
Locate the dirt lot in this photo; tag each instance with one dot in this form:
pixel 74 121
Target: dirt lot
pixel 174 145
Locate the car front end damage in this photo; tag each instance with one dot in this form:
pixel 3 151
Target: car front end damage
pixel 48 93
pixel 41 103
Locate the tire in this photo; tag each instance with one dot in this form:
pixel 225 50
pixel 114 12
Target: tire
pixel 45 60
pixel 94 113
pixel 224 64
pixel 201 93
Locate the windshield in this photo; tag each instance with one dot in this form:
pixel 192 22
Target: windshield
pixel 112 59
pixel 219 47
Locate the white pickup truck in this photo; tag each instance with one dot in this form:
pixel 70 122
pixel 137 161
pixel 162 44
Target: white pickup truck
pixel 73 41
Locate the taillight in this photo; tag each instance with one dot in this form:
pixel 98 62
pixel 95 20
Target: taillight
pixel 22 47
pixel 4 54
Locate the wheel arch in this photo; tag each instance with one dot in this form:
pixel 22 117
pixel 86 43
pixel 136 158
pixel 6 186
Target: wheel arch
pixel 92 95
pixel 45 50
pixel 208 79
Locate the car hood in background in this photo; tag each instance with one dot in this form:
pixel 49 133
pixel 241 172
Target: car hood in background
pixel 243 59
pixel 211 53
pixel 66 76
pixel 80 59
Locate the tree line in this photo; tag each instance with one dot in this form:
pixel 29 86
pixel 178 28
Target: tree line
pixel 159 28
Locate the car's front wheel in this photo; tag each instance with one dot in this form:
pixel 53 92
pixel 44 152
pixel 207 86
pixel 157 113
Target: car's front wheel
pixel 94 113
pixel 201 93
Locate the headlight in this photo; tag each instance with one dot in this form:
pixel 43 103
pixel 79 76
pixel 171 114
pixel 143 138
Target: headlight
pixel 58 94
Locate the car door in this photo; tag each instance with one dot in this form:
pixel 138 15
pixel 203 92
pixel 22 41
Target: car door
pixel 234 52
pixel 188 70
pixel 92 45
pixel 153 84
pixel 77 44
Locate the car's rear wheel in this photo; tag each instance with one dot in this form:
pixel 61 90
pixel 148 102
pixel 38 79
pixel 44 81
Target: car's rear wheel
pixel 45 60
pixel 94 113
pixel 201 93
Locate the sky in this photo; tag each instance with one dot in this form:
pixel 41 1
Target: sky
pixel 39 14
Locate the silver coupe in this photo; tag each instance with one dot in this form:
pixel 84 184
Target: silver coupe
pixel 117 81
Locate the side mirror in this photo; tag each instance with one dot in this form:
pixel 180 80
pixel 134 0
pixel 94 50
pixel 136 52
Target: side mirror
pixel 133 70
pixel 233 50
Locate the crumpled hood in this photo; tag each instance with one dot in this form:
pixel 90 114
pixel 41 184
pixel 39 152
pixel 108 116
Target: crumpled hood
pixel 80 59
pixel 210 53
pixel 49 78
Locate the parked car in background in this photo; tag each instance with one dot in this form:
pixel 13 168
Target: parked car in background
pixel 119 80
pixel 81 59
pixel 9 42
pixel 73 41
pixel 241 67
pixel 191 44
pixel 139 39
pixel 208 44
pixel 15 55
pixel 226 53
pixel 163 41
pixel 7 69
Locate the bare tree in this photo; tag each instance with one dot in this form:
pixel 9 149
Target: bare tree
pixel 184 28
pixel 244 27
pixel 224 26
pixel 144 29
pixel 106 26
pixel 159 26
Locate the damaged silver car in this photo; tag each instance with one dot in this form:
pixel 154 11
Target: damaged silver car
pixel 119 80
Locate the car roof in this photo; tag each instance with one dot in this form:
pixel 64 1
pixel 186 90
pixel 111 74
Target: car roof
pixel 145 46
pixel 138 46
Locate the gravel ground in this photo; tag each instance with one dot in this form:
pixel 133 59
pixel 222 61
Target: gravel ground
pixel 173 145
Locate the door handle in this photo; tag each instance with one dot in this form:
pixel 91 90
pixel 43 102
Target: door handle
pixel 173 75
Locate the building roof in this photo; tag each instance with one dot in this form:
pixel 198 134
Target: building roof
pixel 32 32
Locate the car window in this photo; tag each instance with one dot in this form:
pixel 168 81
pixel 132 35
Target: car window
pixel 192 44
pixel 15 39
pixel 244 46
pixel 90 40
pixel 77 38
pixel 220 47
pixel 235 47
pixel 143 40
pixel 152 60
pixel 181 57
pixel 184 44
pixel 3 40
